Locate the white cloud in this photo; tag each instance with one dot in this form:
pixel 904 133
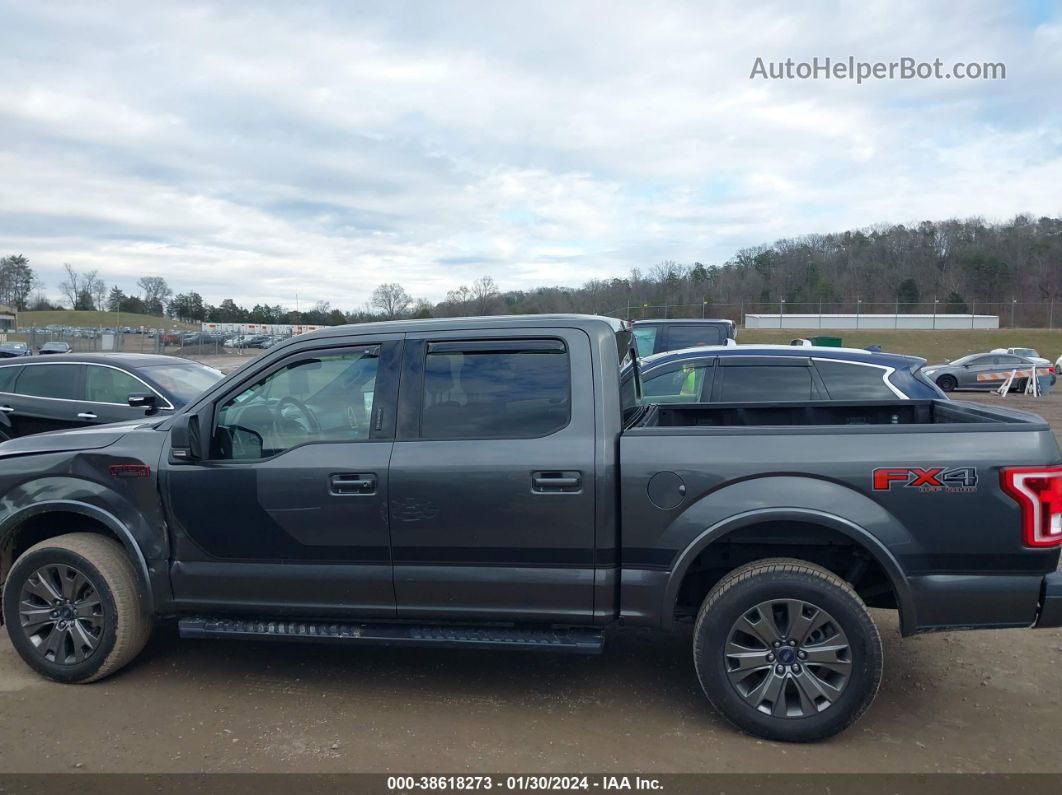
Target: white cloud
pixel 260 151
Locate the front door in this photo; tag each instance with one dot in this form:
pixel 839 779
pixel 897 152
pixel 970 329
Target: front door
pixel 492 478
pixel 289 514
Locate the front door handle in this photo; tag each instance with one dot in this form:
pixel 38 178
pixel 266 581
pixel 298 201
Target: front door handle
pixel 351 483
pixel 86 415
pixel 7 409
pixel 556 482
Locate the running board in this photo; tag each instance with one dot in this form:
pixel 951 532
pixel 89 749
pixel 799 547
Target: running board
pixel 575 640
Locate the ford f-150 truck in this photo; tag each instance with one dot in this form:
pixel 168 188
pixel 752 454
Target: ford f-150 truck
pixel 493 483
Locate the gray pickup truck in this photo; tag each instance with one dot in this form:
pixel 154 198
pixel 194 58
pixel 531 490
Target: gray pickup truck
pixel 492 483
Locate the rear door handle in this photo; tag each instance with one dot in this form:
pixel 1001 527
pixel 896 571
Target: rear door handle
pixel 86 415
pixel 350 483
pixel 7 409
pixel 556 482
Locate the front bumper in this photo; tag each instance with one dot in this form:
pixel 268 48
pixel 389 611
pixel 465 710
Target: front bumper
pixel 1051 601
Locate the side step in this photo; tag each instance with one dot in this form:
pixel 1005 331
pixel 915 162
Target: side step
pixel 576 640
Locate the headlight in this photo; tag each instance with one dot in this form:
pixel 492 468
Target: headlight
pixel 929 370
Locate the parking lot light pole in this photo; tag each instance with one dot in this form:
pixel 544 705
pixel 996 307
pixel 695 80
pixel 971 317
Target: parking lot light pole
pixel 1013 306
pixel 781 311
pixel 935 302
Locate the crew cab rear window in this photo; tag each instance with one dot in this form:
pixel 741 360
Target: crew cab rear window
pixel 48 380
pixel 764 384
pixel 850 381
pixel 679 337
pixel 495 390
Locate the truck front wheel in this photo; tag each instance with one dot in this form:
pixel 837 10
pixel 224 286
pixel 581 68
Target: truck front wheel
pixel 786 650
pixel 72 608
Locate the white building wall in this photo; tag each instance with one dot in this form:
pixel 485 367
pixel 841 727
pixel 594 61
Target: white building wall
pixel 871 321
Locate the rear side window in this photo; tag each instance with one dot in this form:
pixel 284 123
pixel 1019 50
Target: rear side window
pixel 107 385
pixel 846 381
pixel 679 337
pixel 7 378
pixel 48 380
pixel 764 384
pixel 495 390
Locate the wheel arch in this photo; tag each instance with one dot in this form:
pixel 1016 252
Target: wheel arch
pixel 859 537
pixel 75 509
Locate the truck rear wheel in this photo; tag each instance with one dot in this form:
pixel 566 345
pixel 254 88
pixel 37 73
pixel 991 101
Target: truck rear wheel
pixel 72 608
pixel 786 650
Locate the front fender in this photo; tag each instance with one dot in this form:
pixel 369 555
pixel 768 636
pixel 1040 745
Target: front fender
pixel 109 507
pixel 789 498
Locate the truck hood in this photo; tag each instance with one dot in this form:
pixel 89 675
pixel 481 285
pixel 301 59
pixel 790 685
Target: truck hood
pixel 92 438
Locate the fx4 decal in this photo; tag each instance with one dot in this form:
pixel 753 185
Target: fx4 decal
pixel 961 479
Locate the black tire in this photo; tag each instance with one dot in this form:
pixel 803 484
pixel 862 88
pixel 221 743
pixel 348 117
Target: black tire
pixel 739 595
pixel 114 627
pixel 948 383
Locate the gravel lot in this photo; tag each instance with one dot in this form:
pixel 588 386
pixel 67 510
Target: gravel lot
pixel 962 702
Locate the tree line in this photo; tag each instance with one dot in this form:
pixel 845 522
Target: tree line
pixel 954 263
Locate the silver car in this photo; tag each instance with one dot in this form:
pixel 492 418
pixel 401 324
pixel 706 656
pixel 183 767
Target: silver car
pixel 980 371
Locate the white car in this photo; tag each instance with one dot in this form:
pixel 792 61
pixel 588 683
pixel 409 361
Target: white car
pixel 1028 353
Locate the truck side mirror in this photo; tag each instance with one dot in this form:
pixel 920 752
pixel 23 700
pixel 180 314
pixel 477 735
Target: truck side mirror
pixel 185 441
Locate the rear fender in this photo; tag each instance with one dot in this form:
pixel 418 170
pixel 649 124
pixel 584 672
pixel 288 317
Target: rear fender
pixel 792 498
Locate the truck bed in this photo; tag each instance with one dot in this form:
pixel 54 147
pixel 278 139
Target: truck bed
pixel 836 413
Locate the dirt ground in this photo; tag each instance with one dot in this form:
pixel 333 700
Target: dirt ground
pixel 957 702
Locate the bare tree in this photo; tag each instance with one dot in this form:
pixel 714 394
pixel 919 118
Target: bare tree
pixel 485 295
pixel 156 292
pixel 95 286
pixel 72 287
pixel 392 300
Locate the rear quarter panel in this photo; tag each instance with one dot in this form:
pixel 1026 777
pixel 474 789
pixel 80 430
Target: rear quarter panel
pixel 738 476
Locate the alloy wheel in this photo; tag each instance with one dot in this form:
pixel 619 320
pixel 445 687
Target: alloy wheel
pixel 61 614
pixel 788 658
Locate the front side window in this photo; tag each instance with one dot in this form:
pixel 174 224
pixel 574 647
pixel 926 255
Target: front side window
pixel 506 390
pixel 679 384
pixel 845 381
pixel 322 398
pixel 765 384
pixel 48 380
pixel 107 385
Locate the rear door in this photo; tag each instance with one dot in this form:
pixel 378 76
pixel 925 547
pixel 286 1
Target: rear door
pixel 46 398
pixel 492 478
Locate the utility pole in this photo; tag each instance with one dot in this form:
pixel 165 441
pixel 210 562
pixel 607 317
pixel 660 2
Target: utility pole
pixel 1013 306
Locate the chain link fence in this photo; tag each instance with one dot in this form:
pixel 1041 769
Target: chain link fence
pixel 1011 314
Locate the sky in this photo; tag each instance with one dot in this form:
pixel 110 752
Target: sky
pixel 263 151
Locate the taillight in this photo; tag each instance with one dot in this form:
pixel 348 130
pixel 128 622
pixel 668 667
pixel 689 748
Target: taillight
pixel 1038 490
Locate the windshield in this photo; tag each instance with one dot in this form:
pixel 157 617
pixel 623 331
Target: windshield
pixel 182 382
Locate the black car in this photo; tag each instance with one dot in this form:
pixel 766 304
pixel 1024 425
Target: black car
pixel 52 348
pixel 9 350
pixel 57 392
